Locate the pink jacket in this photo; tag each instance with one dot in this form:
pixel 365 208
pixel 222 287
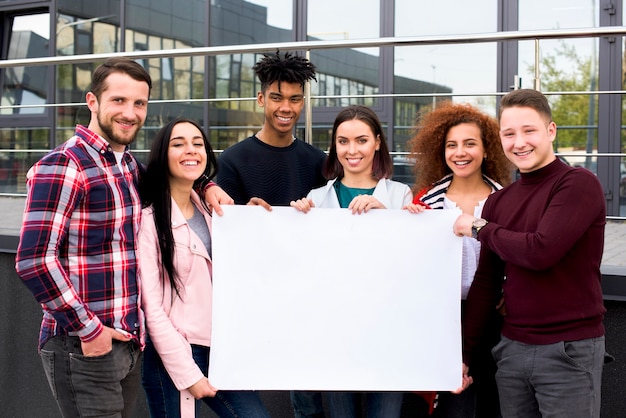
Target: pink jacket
pixel 173 324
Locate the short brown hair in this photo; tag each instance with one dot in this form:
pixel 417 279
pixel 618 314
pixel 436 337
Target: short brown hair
pixel 527 98
pixel 118 65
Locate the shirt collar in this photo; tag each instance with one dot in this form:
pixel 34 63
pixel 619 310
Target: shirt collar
pixel 93 139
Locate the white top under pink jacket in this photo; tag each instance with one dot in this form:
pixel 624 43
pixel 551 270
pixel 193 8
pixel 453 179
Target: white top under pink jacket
pixel 174 323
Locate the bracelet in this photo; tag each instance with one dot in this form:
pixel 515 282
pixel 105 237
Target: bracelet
pixel 208 185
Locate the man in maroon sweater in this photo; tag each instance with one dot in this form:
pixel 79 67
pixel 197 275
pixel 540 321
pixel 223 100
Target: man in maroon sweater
pixel 542 240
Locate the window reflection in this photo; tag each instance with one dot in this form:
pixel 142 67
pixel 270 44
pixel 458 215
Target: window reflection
pixel 622 166
pixel 26 86
pixel 344 72
pixel 565 65
pixel 15 158
pixel 435 72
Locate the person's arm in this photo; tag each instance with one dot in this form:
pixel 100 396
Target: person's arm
pixel 576 204
pixel 482 299
pixel 54 192
pixel 174 350
pixel 202 389
pixel 215 196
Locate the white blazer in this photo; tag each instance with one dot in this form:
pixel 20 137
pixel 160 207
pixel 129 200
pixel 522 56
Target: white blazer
pixel 392 194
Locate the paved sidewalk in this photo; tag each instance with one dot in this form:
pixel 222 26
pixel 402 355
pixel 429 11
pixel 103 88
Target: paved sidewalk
pixel 12 209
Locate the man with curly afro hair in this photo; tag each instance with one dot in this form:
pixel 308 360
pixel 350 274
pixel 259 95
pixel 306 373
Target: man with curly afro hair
pixel 272 167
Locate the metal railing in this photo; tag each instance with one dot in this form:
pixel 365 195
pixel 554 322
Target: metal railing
pixel 309 46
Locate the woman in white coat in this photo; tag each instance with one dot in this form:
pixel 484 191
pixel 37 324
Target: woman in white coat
pixel 359 165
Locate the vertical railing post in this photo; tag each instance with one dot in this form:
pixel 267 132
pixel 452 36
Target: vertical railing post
pixel 537 81
pixel 308 111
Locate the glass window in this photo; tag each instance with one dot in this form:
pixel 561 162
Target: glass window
pixel 344 72
pixel 237 22
pixel 183 20
pixel 16 156
pixel 622 165
pixel 80 35
pixel 565 65
pixel 444 68
pixel 26 87
pixel 442 72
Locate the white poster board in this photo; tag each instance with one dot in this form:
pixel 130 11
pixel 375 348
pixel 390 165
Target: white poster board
pixel 329 300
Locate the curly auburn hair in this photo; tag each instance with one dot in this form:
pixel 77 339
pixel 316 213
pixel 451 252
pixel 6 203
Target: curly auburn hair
pixel 428 144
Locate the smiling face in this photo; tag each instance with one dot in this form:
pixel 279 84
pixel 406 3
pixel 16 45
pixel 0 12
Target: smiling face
pixel 120 111
pixel 186 154
pixel 356 146
pixel 527 138
pixel 281 107
pixel 464 150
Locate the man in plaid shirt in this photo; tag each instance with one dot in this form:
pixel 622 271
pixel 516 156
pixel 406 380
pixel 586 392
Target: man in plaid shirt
pixel 77 250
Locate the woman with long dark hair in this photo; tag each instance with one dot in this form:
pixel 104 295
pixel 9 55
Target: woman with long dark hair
pixel 175 271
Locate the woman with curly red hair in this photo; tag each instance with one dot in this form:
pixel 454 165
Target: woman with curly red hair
pixel 459 163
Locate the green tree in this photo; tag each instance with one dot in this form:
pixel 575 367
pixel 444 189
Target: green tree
pixel 566 71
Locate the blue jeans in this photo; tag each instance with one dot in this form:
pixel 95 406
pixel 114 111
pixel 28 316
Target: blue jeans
pixel 560 380
pixel 164 399
pixel 377 404
pixel 101 386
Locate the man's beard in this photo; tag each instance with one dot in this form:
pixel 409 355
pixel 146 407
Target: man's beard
pixel 107 129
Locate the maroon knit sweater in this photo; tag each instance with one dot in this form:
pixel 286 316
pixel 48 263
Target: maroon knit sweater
pixel 542 248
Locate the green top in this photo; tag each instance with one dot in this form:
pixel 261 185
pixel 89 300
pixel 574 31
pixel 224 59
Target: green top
pixel 345 194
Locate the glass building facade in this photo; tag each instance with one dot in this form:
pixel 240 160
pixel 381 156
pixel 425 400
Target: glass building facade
pixel 583 77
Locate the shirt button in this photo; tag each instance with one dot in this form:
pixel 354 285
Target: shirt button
pixel 193 246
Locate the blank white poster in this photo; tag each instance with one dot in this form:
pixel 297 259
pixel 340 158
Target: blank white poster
pixel 329 300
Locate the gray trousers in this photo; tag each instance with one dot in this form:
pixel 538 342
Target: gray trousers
pixel 101 386
pixel 560 380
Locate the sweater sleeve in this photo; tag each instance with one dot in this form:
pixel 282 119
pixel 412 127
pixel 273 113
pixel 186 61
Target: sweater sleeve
pixel 576 202
pixel 482 299
pixel 172 347
pixel 55 187
pixel 228 178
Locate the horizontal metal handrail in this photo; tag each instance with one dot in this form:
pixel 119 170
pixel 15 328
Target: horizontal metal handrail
pixel 329 97
pixel 332 44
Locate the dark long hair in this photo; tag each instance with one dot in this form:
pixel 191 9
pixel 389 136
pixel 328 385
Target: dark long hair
pixel 155 191
pixel 382 165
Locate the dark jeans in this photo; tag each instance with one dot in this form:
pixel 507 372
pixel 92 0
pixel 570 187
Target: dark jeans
pixel 377 404
pixel 164 399
pixel 102 386
pixel 479 400
pixel 307 404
